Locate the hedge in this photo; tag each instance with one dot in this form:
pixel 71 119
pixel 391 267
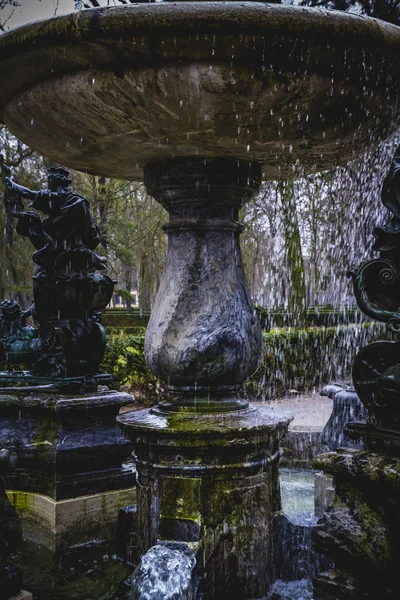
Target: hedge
pixel 292 359
pixel 122 319
pixel 124 359
pixel 314 316
pixel 318 316
pixel 299 359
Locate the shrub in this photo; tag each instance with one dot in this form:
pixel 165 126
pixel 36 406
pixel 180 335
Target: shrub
pixel 303 358
pixel 124 359
pixel 292 359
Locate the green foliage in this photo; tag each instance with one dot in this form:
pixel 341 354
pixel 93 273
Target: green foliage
pixel 126 331
pixel 124 359
pixel 125 294
pixel 124 320
pixel 293 359
pixel 303 358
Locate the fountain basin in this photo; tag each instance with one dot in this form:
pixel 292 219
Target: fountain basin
pixel 264 83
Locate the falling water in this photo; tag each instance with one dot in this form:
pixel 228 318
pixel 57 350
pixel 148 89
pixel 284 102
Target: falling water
pixel 165 571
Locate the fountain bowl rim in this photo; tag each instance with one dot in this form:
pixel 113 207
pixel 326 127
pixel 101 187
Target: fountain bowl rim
pixel 254 18
pixel 67 49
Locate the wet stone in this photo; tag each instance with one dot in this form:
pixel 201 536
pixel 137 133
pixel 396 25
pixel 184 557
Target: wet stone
pixel 359 532
pixel 75 437
pixel 350 62
pixel 126 534
pixel 347 407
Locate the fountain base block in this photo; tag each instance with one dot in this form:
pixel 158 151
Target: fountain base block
pixel 211 479
pixel 64 446
pixel 59 525
pixel 359 532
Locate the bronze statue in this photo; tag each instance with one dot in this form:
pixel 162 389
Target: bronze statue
pixel 70 287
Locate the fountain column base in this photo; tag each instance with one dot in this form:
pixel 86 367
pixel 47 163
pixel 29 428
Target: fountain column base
pixel 360 531
pixel 211 479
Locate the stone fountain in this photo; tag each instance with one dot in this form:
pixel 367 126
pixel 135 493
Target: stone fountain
pixel 203 100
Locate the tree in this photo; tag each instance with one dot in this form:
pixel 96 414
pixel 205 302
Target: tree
pixel 387 10
pixel 15 251
pixel 3 5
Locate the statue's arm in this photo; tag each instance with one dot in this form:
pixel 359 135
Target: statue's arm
pixel 22 191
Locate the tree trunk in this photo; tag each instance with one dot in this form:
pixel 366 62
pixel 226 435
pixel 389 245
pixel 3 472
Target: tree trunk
pixel 128 287
pixel 144 286
pixel 294 256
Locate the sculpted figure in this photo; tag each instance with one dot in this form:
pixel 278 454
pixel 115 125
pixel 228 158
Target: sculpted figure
pixel 68 233
pixel 70 287
pixel 376 368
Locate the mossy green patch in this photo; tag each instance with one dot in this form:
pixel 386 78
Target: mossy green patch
pixel 181 498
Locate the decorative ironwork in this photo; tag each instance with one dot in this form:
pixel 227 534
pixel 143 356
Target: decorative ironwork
pixel 376 368
pixel 70 288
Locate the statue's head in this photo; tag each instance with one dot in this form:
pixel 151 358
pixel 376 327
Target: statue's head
pixel 10 309
pixel 58 177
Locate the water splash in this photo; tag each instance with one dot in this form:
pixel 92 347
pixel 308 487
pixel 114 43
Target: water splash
pixel 165 571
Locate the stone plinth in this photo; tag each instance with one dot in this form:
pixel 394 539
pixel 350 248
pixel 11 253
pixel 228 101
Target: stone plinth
pixel 63 460
pixel 58 525
pixel 360 532
pixel 23 595
pixel 211 479
pixel 64 446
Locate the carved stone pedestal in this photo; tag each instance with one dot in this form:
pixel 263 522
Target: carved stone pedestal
pixel 63 457
pixel 207 461
pixel 64 446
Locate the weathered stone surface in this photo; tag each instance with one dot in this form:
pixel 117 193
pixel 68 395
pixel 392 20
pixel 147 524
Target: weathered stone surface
pixel 341 585
pixel 347 407
pixel 59 525
pixel 23 595
pixel 355 533
pixel 10 581
pixel 302 444
pixel 225 79
pixel 354 463
pixel 219 471
pixel 64 446
pixel 10 527
pixel 360 532
pixel 324 493
pixel 10 538
pixel 294 556
pixel 203 332
pixel 126 536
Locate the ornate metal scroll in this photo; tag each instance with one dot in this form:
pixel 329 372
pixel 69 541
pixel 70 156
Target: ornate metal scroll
pixel 376 368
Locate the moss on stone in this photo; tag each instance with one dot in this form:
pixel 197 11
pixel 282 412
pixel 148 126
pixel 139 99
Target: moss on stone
pixel 23 502
pixel 181 498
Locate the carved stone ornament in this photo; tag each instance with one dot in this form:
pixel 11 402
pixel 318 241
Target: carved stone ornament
pixel 376 368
